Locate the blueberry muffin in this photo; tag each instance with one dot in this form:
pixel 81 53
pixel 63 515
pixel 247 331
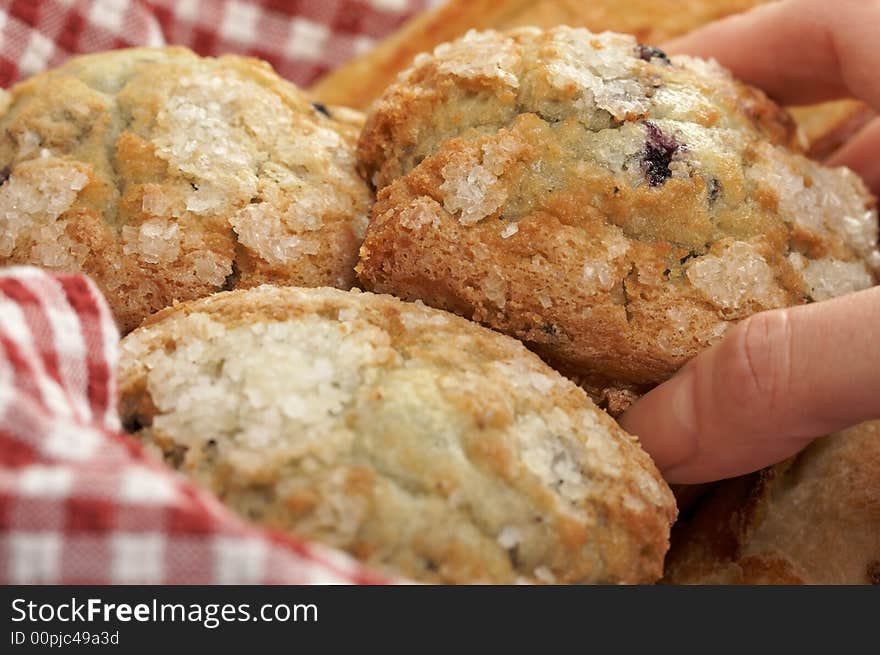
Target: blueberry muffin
pixel 614 208
pixel 420 442
pixel 166 176
pixel 814 519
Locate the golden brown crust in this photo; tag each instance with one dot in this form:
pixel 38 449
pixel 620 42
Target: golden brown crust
pixel 488 80
pixel 166 176
pixel 812 520
pixel 363 79
pixel 612 209
pixel 412 438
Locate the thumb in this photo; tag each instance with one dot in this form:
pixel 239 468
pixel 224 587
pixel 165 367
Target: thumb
pixel 776 381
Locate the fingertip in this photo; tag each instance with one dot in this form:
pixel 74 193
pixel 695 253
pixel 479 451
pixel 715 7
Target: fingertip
pixel 706 40
pixel 664 420
pixel 702 42
pixel 677 46
pixel 798 52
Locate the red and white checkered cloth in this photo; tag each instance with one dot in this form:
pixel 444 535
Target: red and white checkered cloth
pixel 302 39
pixel 79 502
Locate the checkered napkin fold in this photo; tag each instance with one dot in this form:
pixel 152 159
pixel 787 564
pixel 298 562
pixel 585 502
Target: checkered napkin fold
pixel 80 502
pixel 302 39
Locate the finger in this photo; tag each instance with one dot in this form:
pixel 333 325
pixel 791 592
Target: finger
pixel 775 382
pixel 862 154
pixel 798 51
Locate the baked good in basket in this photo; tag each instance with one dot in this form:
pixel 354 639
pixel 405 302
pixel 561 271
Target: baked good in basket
pixel 615 209
pixel 418 441
pixel 166 176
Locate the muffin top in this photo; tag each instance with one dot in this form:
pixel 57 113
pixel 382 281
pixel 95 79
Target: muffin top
pixel 167 176
pixel 418 441
pixel 613 207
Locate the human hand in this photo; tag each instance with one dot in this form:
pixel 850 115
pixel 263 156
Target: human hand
pixel 779 379
pixel 802 52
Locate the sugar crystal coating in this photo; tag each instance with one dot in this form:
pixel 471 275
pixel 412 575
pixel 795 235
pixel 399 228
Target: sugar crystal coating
pixel 614 208
pixel 190 175
pixel 32 202
pixel 736 277
pixel 414 439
